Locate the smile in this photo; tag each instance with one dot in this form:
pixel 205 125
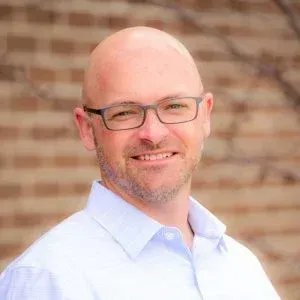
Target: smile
pixel 152 157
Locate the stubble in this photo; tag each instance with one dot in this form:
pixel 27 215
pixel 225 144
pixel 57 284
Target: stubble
pixel 135 181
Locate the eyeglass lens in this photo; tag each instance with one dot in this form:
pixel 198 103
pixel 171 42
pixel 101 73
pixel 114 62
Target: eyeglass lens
pixel 170 111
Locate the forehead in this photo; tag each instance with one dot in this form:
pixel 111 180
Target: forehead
pixel 142 74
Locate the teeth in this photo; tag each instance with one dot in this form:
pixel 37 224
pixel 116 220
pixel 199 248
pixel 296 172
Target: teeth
pixel 154 156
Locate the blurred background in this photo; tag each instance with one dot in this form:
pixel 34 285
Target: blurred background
pixel 248 53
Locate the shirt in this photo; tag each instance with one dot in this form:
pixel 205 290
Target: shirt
pixel 111 250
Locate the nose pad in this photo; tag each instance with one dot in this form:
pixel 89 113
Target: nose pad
pixel 153 129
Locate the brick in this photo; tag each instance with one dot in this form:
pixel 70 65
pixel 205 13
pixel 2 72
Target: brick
pixel 158 24
pixel 42 118
pixel 88 161
pixel 48 176
pixel 4 161
pixel 9 250
pixel 24 104
pixel 55 189
pixel 101 21
pixel 233 5
pixel 81 188
pixel 46 189
pixel 259 223
pixel 29 147
pixel 36 14
pixel 42 133
pixel 226 98
pixel 9 132
pixel 222 173
pixel 7 72
pixel 284 269
pixel 277 244
pixel 81 19
pixel 19 43
pixel 266 6
pixel 225 174
pixel 212 55
pixel 251 122
pixel 34 219
pixel 117 22
pixel 216 148
pixel 191 27
pixel 10 190
pixel 39 75
pixel 270 146
pixel 26 161
pixel 77 75
pixel 5 11
pixel 62 204
pixel 137 1
pixel 67 91
pixel 63 161
pixel 13 235
pixel 260 196
pixel 64 104
pixel 62 46
pixel 255 46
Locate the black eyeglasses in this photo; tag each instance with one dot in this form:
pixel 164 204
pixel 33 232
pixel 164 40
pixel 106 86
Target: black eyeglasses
pixel 129 116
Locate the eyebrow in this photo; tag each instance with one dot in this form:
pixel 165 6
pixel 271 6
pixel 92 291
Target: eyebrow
pixel 171 96
pixel 177 95
pixel 126 102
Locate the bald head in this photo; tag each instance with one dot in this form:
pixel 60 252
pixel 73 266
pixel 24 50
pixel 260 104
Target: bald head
pixel 128 52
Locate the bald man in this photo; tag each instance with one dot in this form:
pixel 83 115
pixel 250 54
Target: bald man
pixel 141 236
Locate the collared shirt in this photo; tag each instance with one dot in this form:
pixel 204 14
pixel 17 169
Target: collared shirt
pixel 111 251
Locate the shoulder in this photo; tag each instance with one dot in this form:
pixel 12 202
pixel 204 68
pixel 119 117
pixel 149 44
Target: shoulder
pixel 240 254
pixel 237 247
pixel 55 263
pixel 248 269
pixel 64 244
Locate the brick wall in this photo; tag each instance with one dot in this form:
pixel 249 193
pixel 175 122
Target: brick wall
pixel 249 175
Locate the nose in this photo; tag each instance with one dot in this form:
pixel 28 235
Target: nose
pixel 153 130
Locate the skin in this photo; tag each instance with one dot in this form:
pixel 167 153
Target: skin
pixel 145 65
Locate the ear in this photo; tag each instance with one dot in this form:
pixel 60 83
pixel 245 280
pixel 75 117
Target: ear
pixel 85 128
pixel 207 106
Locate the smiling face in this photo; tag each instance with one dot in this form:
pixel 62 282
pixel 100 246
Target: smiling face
pixel 154 162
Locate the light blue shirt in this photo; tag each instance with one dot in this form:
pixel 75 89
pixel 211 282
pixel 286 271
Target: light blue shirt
pixel 112 251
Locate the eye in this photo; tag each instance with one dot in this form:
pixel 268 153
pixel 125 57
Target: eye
pixel 175 106
pixel 121 113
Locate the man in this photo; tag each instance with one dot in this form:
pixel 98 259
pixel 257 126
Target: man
pixel 141 235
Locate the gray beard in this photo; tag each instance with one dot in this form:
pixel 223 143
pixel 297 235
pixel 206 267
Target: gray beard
pixel 132 182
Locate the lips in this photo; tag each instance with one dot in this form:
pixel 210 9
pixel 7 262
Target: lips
pixel 153 157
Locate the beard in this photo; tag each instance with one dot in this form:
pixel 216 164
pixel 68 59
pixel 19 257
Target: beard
pixel 136 182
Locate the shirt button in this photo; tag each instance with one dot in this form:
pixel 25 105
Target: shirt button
pixel 169 236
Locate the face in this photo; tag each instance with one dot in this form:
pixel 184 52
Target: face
pixel 154 162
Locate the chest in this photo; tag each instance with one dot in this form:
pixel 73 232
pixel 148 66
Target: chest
pixel 168 278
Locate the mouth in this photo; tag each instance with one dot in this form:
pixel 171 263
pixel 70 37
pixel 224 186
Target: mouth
pixel 154 157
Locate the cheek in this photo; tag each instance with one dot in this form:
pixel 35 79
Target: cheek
pixel 191 135
pixel 113 145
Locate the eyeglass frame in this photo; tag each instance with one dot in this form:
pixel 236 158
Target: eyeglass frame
pixel 144 107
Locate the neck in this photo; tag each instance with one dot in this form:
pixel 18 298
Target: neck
pixel 173 213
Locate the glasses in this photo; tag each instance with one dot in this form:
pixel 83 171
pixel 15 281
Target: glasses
pixel 129 116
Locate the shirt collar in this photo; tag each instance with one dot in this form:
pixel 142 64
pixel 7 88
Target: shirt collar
pixel 130 227
pixel 205 224
pixel 133 229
